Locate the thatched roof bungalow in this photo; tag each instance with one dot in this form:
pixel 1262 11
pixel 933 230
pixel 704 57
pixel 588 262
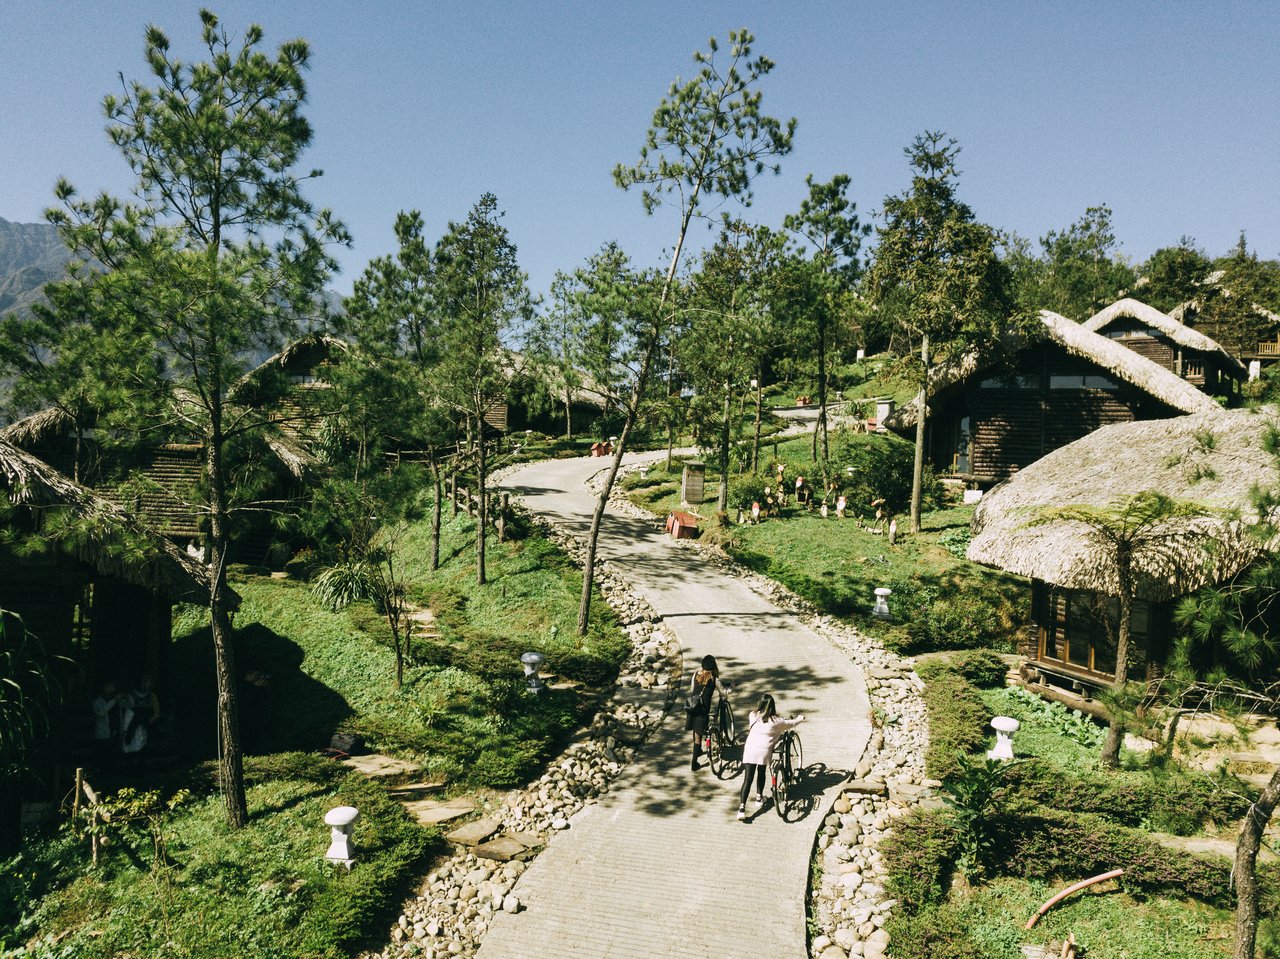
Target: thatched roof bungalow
pixel 1211 460
pixel 105 587
pixel 987 423
pixel 1165 341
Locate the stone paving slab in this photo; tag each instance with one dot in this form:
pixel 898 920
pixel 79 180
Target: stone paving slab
pixel 377 766
pixel 503 848
pixel 474 833
pixel 660 866
pixel 432 812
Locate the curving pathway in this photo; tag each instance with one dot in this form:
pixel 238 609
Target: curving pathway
pixel 660 866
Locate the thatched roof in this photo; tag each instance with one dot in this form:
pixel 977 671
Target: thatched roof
pixel 1184 336
pixel 1212 461
pixel 36 428
pixel 1122 363
pixel 262 375
pixel 115 543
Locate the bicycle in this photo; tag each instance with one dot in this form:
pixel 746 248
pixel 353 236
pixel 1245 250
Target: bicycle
pixel 722 732
pixel 786 769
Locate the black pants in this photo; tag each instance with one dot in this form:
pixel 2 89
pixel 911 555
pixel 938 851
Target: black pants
pixel 747 770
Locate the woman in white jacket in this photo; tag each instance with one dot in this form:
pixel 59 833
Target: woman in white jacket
pixel 765 728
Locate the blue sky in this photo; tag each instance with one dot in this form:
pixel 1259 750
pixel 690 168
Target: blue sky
pixel 1169 112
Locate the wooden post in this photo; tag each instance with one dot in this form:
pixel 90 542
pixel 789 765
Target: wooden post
pixel 453 492
pixel 75 799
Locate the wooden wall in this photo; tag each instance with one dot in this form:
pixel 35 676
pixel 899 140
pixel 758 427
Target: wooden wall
pixel 1012 424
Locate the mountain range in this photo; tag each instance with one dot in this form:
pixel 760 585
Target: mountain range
pixel 31 254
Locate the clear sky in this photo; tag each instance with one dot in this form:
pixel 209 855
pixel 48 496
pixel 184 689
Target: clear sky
pixel 1169 112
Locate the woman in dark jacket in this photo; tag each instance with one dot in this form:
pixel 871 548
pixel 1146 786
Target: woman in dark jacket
pixel 701 688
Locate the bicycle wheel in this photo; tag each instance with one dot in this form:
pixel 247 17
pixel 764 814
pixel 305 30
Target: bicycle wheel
pixel 779 776
pixel 715 745
pixel 795 759
pixel 728 727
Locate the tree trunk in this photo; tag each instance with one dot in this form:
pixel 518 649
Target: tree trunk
pixel 917 467
pixel 435 512
pixel 1245 870
pixel 568 415
pixel 483 518
pixel 1115 730
pixel 231 758
pixel 755 443
pixel 820 425
pixel 722 494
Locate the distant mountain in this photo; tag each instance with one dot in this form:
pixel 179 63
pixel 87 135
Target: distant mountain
pixel 31 254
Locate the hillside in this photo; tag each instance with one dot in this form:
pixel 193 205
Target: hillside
pixel 31 254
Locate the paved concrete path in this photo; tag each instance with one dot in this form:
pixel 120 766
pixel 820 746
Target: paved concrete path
pixel 660 867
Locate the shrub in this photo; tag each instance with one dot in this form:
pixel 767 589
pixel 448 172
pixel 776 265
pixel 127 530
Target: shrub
pixel 1052 844
pixel 957 718
pixel 953 619
pixel 587 667
pixel 956 541
pixel 932 935
pixel 920 855
pixel 983 668
pixel 1165 800
pixel 882 466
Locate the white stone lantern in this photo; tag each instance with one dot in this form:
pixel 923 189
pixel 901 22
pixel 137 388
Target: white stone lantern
pixel 881 610
pixel 1005 727
pixel 340 821
pixel 531 662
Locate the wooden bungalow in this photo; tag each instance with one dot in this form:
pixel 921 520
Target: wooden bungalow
pixel 101 591
pixel 1196 358
pixel 985 424
pixel 1213 460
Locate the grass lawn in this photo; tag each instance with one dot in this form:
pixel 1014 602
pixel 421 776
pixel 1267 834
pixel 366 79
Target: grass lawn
pixel 940 599
pixel 264 891
pixel 987 922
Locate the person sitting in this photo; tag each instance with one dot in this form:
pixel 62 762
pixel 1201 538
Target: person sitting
pixel 139 713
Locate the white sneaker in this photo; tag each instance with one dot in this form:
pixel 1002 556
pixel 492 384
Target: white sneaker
pixel 759 803
pixel 742 812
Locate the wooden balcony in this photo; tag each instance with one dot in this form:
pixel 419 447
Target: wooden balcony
pixel 1269 349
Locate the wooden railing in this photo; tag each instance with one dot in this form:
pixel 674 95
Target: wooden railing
pixel 1269 349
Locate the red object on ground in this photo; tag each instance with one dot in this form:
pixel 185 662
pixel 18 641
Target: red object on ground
pixel 682 525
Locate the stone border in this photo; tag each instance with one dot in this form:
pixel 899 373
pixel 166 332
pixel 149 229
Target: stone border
pixel 850 903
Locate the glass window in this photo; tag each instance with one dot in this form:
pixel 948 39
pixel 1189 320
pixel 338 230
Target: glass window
pixel 1065 381
pixel 1100 383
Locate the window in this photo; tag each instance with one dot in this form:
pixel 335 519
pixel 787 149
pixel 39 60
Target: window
pixel 1020 381
pixel 1079 629
pixel 1080 381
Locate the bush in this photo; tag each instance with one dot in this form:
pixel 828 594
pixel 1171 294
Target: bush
pixel 882 465
pixel 983 668
pixel 920 855
pixel 1162 799
pixel 938 933
pixel 1060 845
pixel 957 718
pixel 953 619
pixel 585 667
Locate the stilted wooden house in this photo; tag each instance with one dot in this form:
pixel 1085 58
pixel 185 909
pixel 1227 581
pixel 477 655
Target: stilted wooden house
pixel 100 590
pixel 1212 460
pixel 986 423
pixel 1196 358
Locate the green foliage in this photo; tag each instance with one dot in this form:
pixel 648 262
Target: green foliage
pixel 979 791
pixel 983 668
pixel 956 541
pixel 1175 275
pixel 957 718
pixel 920 855
pixel 881 466
pixel 27 693
pixel 1072 724
pixel 1161 799
pixel 1083 269
pixel 1233 629
pixel 939 618
pixel 263 891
